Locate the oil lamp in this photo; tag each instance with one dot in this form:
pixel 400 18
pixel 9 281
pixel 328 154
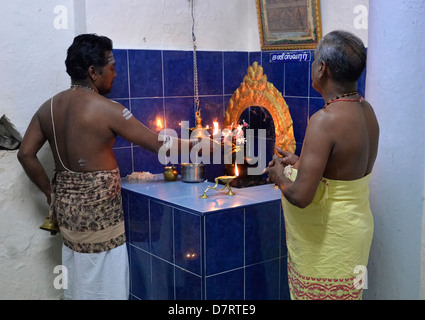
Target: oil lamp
pixel 226 180
pixel 198 132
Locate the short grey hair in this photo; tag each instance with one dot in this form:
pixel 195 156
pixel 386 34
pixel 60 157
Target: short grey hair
pixel 344 54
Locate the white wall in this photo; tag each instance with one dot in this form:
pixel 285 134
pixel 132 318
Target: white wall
pixel 220 25
pixel 32 54
pixel 162 24
pixel 396 89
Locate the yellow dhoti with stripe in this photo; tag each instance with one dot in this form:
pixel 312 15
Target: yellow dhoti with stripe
pixel 329 241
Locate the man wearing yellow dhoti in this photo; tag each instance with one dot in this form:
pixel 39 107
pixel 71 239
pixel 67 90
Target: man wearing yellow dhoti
pixel 325 193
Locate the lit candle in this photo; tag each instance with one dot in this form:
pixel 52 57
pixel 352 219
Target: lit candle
pixel 215 127
pixel 159 123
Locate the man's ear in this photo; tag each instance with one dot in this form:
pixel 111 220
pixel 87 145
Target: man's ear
pixel 323 69
pixel 93 73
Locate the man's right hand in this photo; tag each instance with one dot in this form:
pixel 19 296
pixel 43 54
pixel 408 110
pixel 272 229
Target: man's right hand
pixel 286 157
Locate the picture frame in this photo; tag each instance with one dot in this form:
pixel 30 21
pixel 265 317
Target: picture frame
pixel 289 24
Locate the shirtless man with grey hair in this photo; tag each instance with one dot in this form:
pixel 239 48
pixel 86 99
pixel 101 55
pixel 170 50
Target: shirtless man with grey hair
pixel 341 140
pixel 328 220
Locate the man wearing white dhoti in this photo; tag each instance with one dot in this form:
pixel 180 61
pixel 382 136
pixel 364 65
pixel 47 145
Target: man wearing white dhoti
pixel 81 127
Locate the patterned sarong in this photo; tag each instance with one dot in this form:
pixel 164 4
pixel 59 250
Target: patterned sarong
pixel 88 209
pixel 329 241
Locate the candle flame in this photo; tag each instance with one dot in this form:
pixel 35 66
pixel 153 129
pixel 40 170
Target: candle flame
pixel 159 123
pixel 236 170
pixel 215 127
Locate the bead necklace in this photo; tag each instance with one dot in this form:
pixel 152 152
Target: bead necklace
pixel 342 96
pixel 81 86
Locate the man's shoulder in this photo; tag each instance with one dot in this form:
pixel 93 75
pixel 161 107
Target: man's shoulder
pixel 108 102
pixel 321 117
pixel 108 105
pixel 107 108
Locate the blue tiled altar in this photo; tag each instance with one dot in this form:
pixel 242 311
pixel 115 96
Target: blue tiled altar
pixel 183 247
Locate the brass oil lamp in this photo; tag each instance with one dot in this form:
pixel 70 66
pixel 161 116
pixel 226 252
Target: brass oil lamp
pixel 224 179
pixel 198 132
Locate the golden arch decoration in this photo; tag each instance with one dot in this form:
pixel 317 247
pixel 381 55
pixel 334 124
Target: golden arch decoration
pixel 256 91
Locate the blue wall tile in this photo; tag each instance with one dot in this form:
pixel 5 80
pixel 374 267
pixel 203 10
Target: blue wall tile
pixel 297 79
pixel 235 66
pixel 162 280
pixel 178 73
pixel 226 286
pixel 187 239
pixel 188 286
pixel 224 237
pixel 145 69
pixel 260 281
pixel 210 72
pixel 140 274
pixel 161 230
pixel 138 211
pixel 262 233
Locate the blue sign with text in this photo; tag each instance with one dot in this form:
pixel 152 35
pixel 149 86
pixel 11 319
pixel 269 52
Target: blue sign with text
pixel 290 56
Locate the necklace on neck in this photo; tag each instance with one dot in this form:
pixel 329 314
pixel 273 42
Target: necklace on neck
pixel 337 98
pixel 82 86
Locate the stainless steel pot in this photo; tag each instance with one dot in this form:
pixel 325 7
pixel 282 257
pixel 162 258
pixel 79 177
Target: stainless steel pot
pixel 192 172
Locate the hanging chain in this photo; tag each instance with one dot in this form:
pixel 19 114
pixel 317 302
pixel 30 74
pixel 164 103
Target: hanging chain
pixel 195 61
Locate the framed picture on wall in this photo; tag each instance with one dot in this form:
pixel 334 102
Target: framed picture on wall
pixel 289 24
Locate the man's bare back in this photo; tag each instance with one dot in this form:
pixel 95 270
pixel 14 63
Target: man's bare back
pixel 351 129
pixel 83 134
pixel 86 127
